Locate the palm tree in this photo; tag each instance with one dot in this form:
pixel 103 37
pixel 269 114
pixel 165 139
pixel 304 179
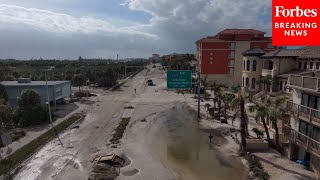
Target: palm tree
pixel 238 100
pixel 277 110
pixel 226 99
pixel 261 110
pixel 217 91
pixel 205 85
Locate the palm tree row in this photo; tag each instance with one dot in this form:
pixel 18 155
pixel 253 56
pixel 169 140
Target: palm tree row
pixel 236 98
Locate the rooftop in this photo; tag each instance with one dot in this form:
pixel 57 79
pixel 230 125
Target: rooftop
pixel 241 31
pixel 284 53
pixel 254 52
pixel 32 83
pixel 310 52
pixel 227 32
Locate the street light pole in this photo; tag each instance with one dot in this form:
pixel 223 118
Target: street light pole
pixel 49 108
pixel 198 89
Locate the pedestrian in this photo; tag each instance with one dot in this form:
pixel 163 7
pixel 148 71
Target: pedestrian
pixel 135 90
pixel 210 137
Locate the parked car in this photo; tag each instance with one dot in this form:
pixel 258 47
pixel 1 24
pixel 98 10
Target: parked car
pixel 150 82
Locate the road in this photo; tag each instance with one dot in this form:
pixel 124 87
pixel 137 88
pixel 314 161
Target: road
pixel 93 134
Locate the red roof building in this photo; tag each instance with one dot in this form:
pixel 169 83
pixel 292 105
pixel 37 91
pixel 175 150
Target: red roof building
pixel 220 57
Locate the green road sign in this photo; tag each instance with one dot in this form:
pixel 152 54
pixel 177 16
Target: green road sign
pixel 179 79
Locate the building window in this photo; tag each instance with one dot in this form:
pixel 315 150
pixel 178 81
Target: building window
pixel 211 54
pixel 253 83
pixel 231 55
pixel 270 46
pixel 231 63
pixel 311 65
pixel 255 35
pixel 242 81
pixel 305 65
pixel 300 65
pixel 317 65
pixel 248 65
pixel 247 81
pixel 254 65
pixel 231 71
pixel 233 46
pixel 280 86
pixel 244 64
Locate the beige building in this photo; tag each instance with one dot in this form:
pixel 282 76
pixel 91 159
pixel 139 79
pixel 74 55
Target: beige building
pixel 297 72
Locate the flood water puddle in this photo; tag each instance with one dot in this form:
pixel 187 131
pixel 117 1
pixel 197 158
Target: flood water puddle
pixel 186 149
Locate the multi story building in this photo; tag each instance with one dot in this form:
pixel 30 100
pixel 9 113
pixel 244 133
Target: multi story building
pixel 220 57
pixel 298 72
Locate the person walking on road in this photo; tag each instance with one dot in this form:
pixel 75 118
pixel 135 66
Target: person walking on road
pixel 210 137
pixel 135 90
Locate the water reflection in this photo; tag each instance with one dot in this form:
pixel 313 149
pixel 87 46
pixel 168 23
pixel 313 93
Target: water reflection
pixel 188 150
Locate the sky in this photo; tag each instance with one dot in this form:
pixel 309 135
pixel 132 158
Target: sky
pixel 62 29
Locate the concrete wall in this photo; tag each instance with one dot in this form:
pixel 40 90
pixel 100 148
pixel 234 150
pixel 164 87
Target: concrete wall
pixel 315 164
pixel 220 78
pixel 241 46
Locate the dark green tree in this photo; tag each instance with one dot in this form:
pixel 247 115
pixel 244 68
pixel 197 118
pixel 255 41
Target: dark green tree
pixel 78 80
pixel 3 93
pixel 29 111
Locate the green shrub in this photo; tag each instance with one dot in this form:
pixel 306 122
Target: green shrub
pixel 29 149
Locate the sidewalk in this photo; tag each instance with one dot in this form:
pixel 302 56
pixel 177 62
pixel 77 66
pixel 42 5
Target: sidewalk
pixel 34 132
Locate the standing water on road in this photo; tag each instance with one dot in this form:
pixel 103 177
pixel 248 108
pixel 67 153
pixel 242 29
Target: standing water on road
pixel 187 149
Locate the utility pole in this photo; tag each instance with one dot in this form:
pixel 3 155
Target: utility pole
pixel 198 89
pixel 49 108
pixel 125 71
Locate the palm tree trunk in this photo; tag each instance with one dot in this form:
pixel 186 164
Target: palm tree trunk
pixel 243 124
pixel 265 128
pixel 277 144
pixel 225 110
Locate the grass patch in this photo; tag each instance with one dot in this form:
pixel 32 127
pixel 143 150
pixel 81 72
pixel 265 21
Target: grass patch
pixel 119 131
pixel 29 149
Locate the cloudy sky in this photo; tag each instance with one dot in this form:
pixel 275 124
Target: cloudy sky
pixel 131 28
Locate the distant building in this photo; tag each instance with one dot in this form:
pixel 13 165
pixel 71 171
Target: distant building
pixel 57 90
pixel 220 57
pixel 155 58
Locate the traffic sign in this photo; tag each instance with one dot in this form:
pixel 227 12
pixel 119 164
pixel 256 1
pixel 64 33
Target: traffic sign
pixel 6 139
pixel 179 79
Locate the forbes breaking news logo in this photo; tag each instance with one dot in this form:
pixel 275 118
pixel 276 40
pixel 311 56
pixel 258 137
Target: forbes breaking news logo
pixel 295 22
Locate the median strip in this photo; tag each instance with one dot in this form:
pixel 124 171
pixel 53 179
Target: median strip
pixel 119 131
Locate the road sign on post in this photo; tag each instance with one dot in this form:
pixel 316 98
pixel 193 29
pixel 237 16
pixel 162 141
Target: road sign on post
pixel 179 79
pixel 6 139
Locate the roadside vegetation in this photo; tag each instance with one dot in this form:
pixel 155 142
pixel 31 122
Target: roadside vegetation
pixel 20 155
pixel 118 134
pixel 101 72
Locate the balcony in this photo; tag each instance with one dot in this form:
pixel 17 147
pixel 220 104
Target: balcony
pixel 267 72
pixel 304 113
pixel 304 82
pixel 309 144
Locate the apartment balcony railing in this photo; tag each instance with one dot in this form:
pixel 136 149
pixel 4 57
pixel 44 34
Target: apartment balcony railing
pixel 306 82
pixel 305 113
pixel 266 72
pixel 309 144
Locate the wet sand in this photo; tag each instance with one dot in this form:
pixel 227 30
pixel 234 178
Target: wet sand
pixel 186 148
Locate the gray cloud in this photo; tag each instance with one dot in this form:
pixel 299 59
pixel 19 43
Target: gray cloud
pixel 174 27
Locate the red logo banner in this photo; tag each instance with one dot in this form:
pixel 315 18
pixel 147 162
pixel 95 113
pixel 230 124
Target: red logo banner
pixel 295 22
